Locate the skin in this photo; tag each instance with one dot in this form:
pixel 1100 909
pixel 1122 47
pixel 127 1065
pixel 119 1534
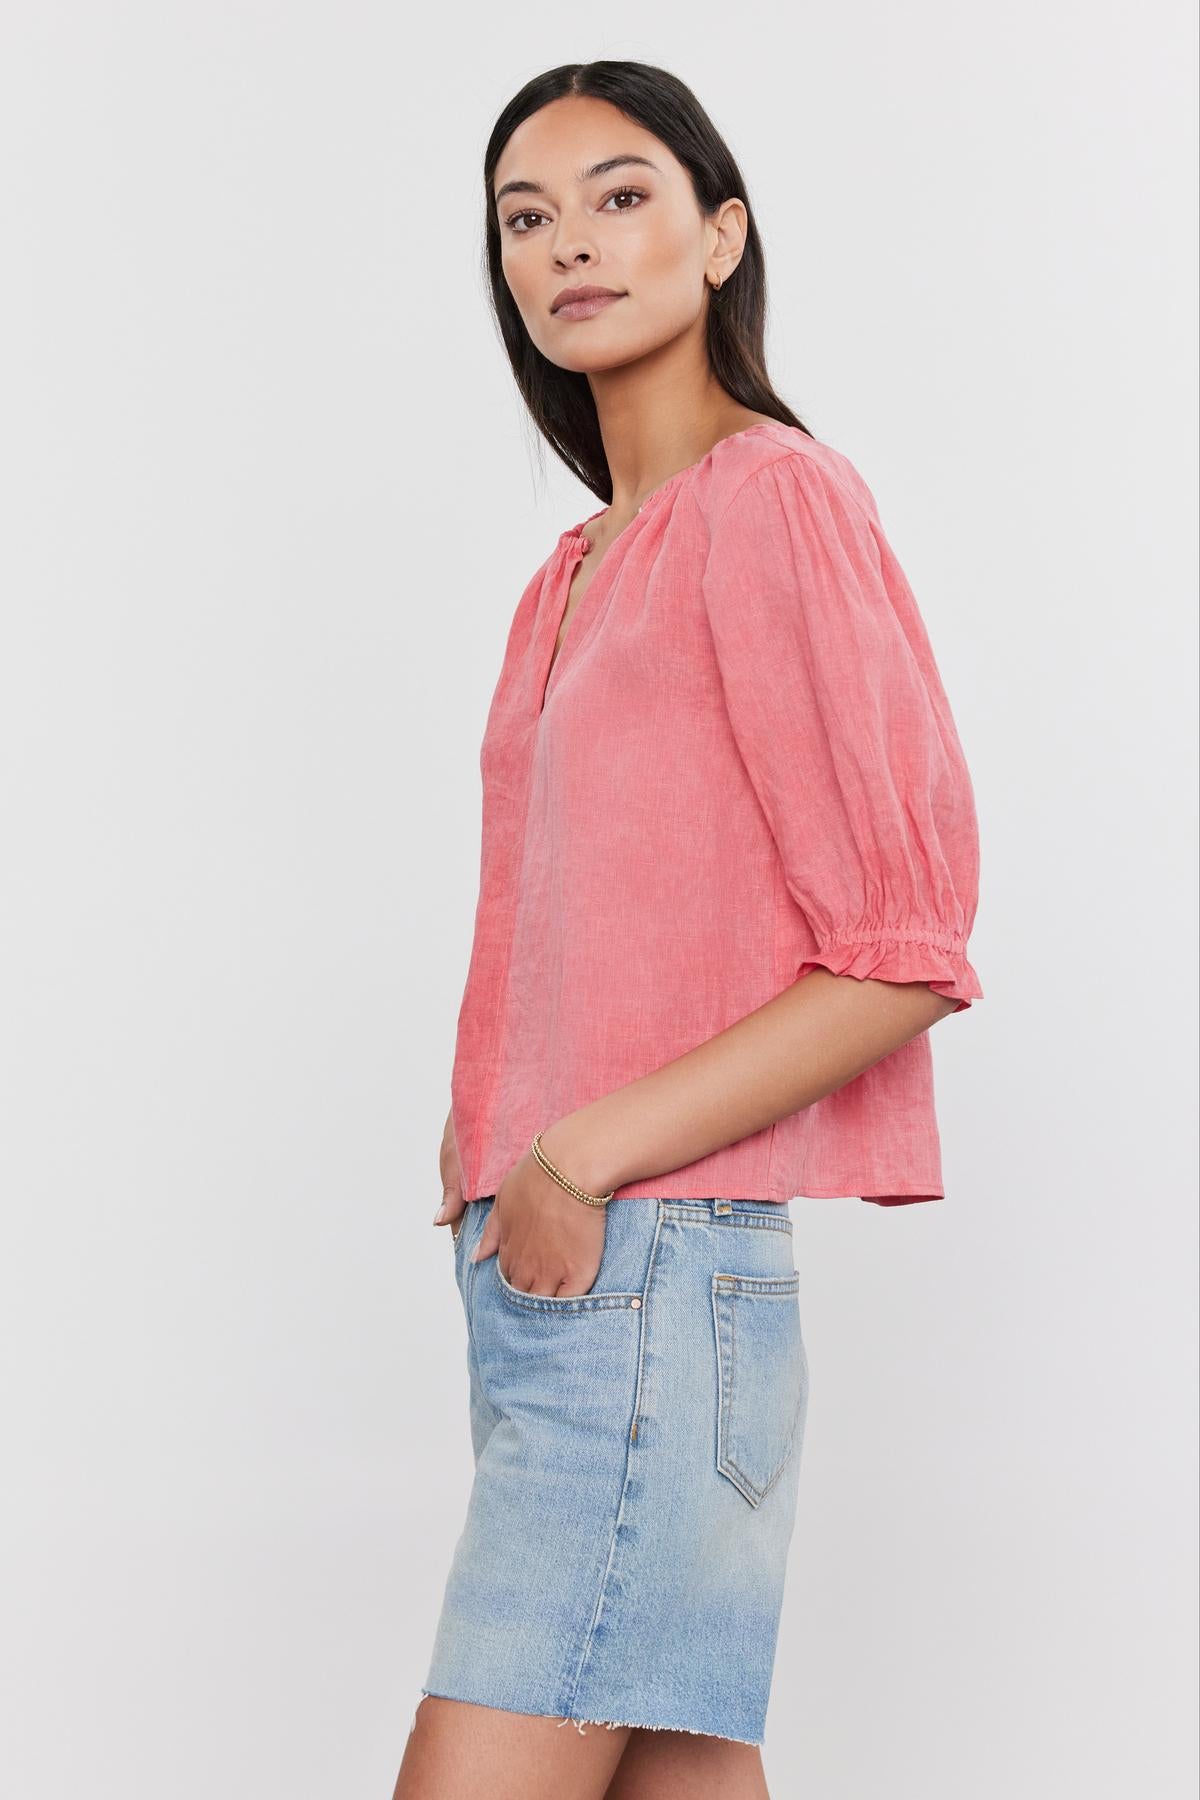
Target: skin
pixel 640 231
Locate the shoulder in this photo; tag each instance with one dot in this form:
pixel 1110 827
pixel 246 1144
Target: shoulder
pixel 771 466
pixel 776 499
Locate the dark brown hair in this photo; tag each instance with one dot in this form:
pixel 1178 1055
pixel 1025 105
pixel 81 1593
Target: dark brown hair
pixel 560 400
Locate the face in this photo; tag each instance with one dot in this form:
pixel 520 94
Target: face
pixel 632 226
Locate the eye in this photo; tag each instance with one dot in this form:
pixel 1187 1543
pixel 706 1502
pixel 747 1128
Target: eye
pixel 633 193
pixel 520 230
pixel 636 194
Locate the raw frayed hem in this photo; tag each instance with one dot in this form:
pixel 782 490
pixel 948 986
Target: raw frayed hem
pixel 619 1724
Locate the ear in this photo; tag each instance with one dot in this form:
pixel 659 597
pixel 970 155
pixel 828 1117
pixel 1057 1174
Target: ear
pixel 729 224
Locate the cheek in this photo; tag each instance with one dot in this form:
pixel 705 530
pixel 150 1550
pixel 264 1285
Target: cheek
pixel 529 297
pixel 666 273
pixel 668 251
pixel 518 274
pixel 669 300
pixel 664 235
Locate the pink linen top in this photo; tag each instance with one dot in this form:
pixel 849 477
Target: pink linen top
pixel 741 765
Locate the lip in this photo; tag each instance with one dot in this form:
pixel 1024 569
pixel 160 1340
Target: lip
pixel 582 302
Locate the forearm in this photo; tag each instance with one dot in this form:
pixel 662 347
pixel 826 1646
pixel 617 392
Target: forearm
pixel 818 1034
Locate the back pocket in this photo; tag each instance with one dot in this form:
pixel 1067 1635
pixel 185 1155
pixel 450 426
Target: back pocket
pixel 762 1377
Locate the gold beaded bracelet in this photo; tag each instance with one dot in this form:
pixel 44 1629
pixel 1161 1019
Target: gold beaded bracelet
pixel 588 1199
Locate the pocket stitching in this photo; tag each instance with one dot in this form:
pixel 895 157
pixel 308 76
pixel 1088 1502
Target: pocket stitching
pixel 757 1284
pixel 564 1303
pixel 763 1287
pixel 736 1221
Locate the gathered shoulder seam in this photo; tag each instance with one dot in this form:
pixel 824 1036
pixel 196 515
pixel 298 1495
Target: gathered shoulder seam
pixel 791 453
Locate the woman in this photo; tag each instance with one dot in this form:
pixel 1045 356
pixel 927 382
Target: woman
pixel 729 871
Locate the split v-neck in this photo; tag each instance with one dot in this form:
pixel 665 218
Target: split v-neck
pixel 574 544
pixel 577 545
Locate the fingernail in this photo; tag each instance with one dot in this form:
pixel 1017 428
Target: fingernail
pixel 439 1215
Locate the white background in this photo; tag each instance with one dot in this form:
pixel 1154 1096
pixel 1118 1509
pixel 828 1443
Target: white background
pixel 269 498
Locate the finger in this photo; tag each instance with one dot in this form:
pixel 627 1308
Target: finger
pixel 452 1207
pixel 489 1237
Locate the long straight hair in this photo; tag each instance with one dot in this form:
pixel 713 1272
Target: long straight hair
pixel 560 400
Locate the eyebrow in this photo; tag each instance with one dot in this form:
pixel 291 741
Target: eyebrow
pixel 600 168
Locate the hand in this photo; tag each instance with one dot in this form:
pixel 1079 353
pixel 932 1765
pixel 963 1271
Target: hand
pixel 549 1243
pixel 453 1200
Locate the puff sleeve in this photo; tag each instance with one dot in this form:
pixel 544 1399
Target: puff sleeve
pixel 844 728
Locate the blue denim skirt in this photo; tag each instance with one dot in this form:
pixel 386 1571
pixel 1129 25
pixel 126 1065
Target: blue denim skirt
pixel 637 1453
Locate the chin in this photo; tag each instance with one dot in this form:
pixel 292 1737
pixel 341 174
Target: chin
pixel 598 358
